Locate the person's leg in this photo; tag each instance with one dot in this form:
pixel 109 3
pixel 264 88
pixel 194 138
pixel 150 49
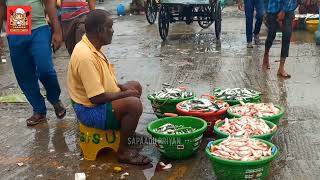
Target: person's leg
pixel 286 36
pixel 73 32
pixel 25 72
pixel 249 10
pixel 42 57
pixel 259 6
pixel 2 49
pixel 128 111
pixel 140 6
pixel 80 29
pixel 68 29
pixel 272 30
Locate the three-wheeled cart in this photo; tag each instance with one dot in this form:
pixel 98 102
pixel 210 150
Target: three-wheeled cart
pixel 205 12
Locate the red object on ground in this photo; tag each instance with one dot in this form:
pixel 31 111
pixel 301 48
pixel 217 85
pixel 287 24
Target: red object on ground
pixel 210 117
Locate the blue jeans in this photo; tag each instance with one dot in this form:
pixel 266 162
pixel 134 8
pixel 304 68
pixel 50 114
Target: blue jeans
pixel 31 58
pixel 249 6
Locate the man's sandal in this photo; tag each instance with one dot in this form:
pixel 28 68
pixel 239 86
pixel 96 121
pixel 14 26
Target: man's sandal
pixel 36 119
pixel 59 110
pixel 284 76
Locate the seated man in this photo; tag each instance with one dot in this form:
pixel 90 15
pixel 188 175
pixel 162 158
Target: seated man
pixel 99 101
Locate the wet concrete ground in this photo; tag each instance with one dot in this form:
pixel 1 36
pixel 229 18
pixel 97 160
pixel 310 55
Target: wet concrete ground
pixel 190 57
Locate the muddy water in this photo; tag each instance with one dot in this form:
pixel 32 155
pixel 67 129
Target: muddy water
pixel 191 57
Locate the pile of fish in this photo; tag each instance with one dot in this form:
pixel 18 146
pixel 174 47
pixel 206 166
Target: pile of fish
pixel 255 110
pixel 241 149
pixel 172 93
pixel 245 126
pixel 203 105
pixel 236 94
pixel 174 129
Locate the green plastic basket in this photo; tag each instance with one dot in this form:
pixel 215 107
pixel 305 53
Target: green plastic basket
pixel 254 99
pixel 241 170
pixel 266 136
pixel 274 119
pixel 179 146
pixel 161 106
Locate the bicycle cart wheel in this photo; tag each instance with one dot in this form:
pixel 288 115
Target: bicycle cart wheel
pixel 151 9
pixel 205 20
pixel 163 21
pixel 217 23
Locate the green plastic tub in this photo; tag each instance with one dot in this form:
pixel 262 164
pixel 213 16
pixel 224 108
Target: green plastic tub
pixel 274 119
pixel 179 146
pixel 161 106
pixel 255 99
pixel 241 170
pixel 266 136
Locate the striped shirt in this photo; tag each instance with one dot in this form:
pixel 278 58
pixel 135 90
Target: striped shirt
pixel 275 6
pixel 71 9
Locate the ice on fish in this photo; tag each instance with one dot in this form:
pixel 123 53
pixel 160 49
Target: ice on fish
pixel 174 129
pixel 172 93
pixel 236 94
pixel 202 104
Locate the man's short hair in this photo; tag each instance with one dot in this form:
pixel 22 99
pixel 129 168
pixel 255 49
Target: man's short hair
pixel 95 21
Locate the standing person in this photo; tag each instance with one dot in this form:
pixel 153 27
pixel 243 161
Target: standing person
pixel 2 54
pixel 308 7
pixel 73 15
pixel 31 57
pixel 137 7
pixel 99 100
pixel 2 30
pixel 279 14
pixel 249 7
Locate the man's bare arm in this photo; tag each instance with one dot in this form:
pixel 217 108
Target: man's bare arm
pixel 109 97
pixel 3 10
pixel 50 6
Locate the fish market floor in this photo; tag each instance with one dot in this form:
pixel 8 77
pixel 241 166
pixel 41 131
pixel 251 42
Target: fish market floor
pixel 190 58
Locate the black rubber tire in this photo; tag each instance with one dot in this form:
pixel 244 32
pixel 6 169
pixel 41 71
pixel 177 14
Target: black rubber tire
pixel 218 19
pixel 163 22
pixel 151 9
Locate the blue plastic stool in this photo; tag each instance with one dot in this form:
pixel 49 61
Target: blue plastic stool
pixel 121 10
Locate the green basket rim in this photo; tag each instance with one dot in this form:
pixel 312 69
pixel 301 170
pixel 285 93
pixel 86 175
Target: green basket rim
pixel 280 114
pixel 171 100
pixel 241 163
pixel 196 132
pixel 254 98
pixel 270 124
pixel 238 101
